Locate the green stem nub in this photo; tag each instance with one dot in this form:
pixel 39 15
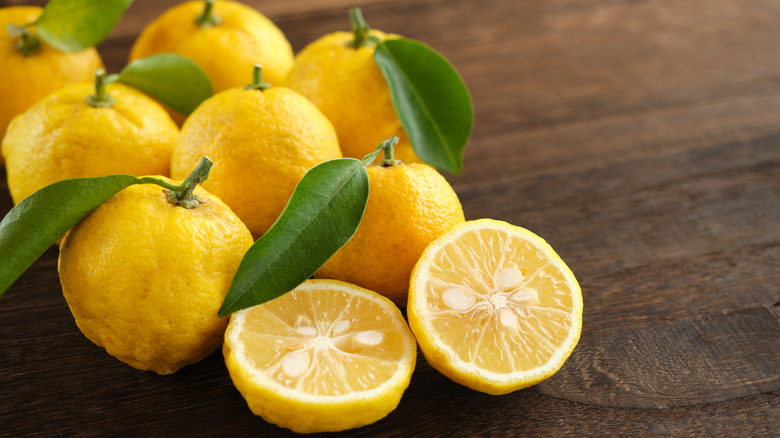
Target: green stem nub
pixel 100 99
pixel 388 149
pixel 28 44
pixel 257 80
pixel 184 195
pixel 207 18
pixel 359 28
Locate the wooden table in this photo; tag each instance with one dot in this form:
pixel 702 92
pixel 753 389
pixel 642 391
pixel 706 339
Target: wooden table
pixel 640 138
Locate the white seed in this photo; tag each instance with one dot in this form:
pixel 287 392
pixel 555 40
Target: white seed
pixel 458 299
pixel 509 278
pixel 307 331
pixel 295 364
pixel 525 296
pixel 341 327
pixel 305 327
pixel 508 318
pixel 303 321
pixel 368 338
pixel 343 342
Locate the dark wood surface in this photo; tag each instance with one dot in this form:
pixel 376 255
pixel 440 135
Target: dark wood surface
pixel 640 138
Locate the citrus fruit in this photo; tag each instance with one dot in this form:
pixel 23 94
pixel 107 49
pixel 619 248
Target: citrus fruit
pixel 493 307
pixel 409 205
pixel 327 356
pixel 28 78
pixel 263 141
pixel 226 42
pixel 66 136
pixel 343 81
pixel 144 278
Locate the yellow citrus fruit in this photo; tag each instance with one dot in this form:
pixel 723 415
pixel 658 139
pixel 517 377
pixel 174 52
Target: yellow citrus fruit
pixel 226 50
pixel 348 87
pixel 493 307
pixel 63 136
pixel 327 356
pixel 144 278
pixel 262 143
pixel 409 205
pixel 28 79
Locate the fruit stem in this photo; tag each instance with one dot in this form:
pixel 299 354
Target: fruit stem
pixel 359 28
pixel 28 44
pixel 207 18
pixel 257 80
pixel 100 99
pixel 388 150
pixel 184 195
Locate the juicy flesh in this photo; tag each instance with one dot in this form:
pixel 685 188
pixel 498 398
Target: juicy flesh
pixel 498 301
pixel 323 342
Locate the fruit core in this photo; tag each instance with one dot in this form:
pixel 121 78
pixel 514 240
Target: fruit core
pixel 505 300
pixel 325 336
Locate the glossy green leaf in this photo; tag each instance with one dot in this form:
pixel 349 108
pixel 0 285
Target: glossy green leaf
pixel 34 224
pixel 321 216
pixel 172 79
pixel 431 100
pixel 72 25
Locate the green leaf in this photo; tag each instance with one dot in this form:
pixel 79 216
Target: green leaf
pixel 34 224
pixel 321 216
pixel 72 25
pixel 172 79
pixel 431 100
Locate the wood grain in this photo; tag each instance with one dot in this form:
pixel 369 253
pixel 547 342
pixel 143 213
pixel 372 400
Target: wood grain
pixel 708 359
pixel 640 138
